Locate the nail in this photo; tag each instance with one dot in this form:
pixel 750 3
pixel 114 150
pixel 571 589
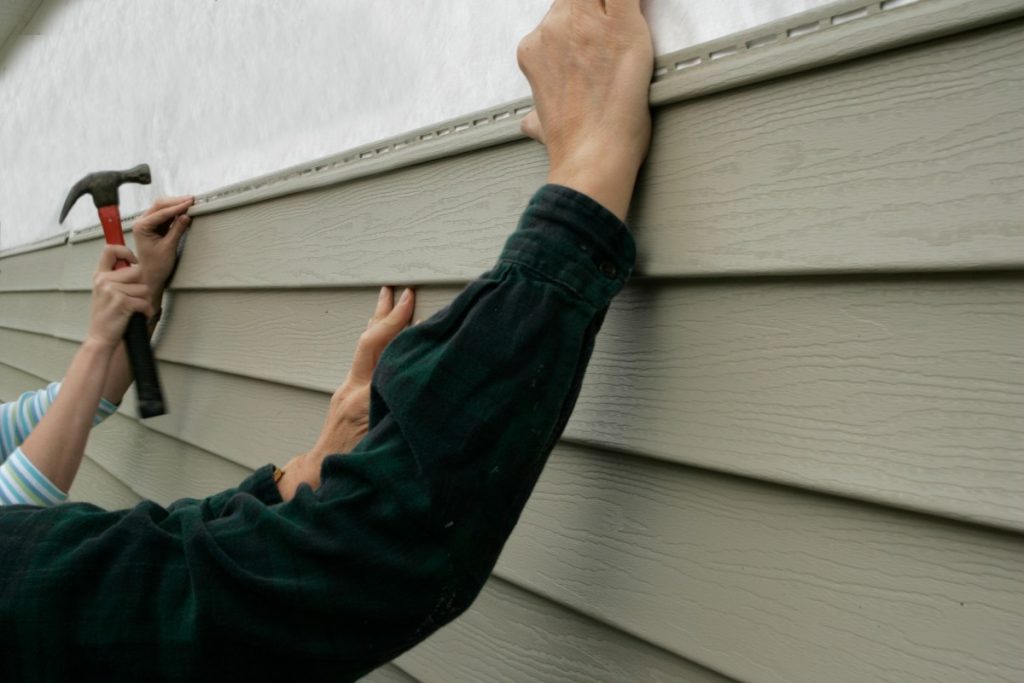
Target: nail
pixel 406 295
pixel 383 294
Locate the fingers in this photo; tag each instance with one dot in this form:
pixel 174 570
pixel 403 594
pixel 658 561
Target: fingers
pixel 164 202
pixel 390 318
pixel 531 127
pixel 113 253
pixel 385 303
pixel 163 215
pixel 128 297
pixel 178 227
pixel 401 315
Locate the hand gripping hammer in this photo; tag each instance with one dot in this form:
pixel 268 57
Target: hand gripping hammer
pixel 103 186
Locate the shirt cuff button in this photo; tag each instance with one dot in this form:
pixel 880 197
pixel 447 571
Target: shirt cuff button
pixel 608 269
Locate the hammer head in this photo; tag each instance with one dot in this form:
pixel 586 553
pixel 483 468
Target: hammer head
pixel 103 185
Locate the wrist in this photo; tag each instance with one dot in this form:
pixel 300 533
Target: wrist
pixel 612 190
pixel 604 172
pixel 98 345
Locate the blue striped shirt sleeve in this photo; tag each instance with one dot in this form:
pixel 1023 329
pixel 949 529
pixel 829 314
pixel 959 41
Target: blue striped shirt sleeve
pixel 19 417
pixel 22 484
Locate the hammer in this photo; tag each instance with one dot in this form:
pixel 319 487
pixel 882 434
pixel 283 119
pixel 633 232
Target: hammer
pixel 103 186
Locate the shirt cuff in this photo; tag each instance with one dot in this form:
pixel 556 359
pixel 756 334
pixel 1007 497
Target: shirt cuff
pixel 571 239
pixel 262 485
pixel 105 410
pixel 22 484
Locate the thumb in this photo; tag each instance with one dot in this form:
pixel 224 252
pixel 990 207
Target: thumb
pixel 112 253
pixel 531 127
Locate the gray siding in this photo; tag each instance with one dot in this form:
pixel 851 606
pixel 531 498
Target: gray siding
pixel 798 452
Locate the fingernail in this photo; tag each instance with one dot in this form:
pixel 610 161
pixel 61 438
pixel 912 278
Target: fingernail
pixel 383 294
pixel 406 295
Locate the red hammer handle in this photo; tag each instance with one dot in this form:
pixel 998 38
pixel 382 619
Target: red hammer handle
pixel 110 219
pixel 136 336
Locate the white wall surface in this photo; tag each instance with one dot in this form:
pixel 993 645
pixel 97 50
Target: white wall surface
pixel 210 92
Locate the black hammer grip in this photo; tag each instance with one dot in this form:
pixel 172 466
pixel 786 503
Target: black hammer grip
pixel 140 356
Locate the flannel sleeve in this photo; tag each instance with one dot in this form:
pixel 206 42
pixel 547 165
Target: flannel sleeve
pixel 398 539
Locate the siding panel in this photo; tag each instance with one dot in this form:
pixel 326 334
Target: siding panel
pixel 903 391
pixel 95 485
pixel 510 636
pixel 882 164
pixel 765 583
pixel 33 270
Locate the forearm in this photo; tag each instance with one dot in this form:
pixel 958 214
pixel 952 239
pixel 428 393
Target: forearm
pixel 56 445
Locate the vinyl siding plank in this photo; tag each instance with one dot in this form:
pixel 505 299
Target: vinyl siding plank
pixel 36 354
pixel 304 338
pixel 907 160
pixel 33 270
pixel 246 421
pixel 510 635
pixel 770 584
pixel 158 467
pixel 898 390
pixel 249 422
pixel 46 312
pixel 81 261
pixel 95 485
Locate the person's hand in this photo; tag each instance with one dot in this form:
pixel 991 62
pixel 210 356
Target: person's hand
pixel 589 64
pixel 116 295
pixel 157 233
pixel 348 417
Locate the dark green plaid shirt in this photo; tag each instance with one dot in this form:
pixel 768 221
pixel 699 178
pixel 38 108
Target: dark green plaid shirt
pixel 397 541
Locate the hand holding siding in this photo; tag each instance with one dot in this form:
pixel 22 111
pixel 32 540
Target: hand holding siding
pixel 348 416
pixel 589 64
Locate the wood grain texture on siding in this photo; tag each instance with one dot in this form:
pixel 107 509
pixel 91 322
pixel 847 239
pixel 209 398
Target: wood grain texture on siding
pixel 246 421
pixel 158 467
pixel 906 160
pixel 47 312
pixel 36 354
pixel 903 391
pixel 510 635
pixel 768 584
pixel 68 266
pixel 34 270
